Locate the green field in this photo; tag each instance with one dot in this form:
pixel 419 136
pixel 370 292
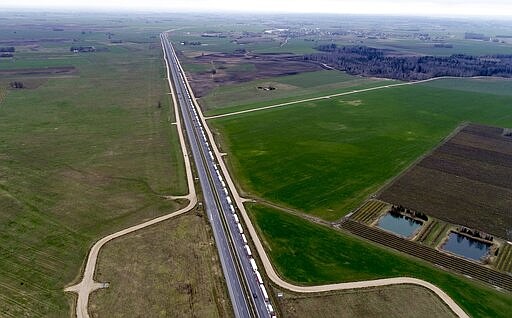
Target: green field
pixel 80 157
pixel 231 98
pixel 310 254
pixel 325 157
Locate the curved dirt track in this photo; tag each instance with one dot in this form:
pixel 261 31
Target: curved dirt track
pixel 272 274
pixel 87 285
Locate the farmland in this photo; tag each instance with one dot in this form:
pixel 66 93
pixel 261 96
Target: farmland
pixel 372 303
pixel 311 254
pixel 464 181
pixel 323 158
pixel 458 265
pixel 369 211
pixel 151 274
pixel 311 84
pixel 80 156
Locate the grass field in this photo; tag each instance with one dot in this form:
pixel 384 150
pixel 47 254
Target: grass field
pixel 369 303
pixel 464 181
pixel 310 254
pixel 325 157
pixel 168 270
pixel 80 157
pixel 311 84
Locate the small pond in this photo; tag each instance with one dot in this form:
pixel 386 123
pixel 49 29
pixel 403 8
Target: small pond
pixel 399 224
pixel 466 247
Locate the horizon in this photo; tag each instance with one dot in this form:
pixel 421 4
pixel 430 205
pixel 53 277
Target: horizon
pixel 421 8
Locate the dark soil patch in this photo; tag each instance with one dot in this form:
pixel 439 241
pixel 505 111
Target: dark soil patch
pixel 467 181
pixel 61 70
pixel 226 73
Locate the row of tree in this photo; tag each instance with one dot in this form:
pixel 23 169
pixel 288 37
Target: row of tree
pixel 399 209
pixel 476 233
pixel 10 49
pixel 368 61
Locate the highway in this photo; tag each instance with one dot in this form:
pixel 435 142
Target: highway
pixel 246 289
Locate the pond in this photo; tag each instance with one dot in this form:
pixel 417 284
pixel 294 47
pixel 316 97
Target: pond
pixel 399 224
pixel 466 247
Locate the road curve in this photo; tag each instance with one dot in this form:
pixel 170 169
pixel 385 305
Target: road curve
pixel 272 274
pixel 87 285
pixel 335 95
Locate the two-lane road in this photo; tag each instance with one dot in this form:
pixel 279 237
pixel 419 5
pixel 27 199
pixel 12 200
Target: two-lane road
pixel 248 295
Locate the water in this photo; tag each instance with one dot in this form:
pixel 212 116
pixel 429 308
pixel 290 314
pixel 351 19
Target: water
pixel 466 247
pixel 399 224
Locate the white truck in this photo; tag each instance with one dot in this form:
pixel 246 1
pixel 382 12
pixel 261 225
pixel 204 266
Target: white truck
pixel 264 291
pixel 248 250
pixel 253 264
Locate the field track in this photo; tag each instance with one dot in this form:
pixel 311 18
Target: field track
pixel 87 285
pixel 428 254
pixel 329 96
pixel 267 264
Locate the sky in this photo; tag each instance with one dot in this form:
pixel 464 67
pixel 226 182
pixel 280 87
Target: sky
pixel 395 7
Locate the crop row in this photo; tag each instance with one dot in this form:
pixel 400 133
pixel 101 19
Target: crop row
pixel 504 262
pixel 443 260
pixel 366 212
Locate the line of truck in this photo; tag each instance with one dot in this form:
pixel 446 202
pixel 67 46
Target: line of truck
pixel 254 266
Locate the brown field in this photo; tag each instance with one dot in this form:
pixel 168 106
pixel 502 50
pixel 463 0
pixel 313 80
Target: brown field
pixel 467 181
pixel 369 303
pixel 168 270
pixel 238 68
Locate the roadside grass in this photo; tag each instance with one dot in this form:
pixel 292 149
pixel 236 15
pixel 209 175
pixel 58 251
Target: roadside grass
pixel 80 158
pixel 227 99
pixel 325 157
pixel 311 254
pixel 379 302
pixel 167 270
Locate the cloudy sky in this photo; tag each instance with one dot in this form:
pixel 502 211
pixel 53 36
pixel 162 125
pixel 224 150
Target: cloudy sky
pixel 414 7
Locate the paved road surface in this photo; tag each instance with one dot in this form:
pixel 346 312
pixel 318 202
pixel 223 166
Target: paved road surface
pixel 269 269
pixel 88 285
pixel 246 292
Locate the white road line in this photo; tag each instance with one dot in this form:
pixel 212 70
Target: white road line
pixel 269 269
pixel 87 285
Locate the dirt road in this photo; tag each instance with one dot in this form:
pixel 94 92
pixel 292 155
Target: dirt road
pixel 87 285
pixel 272 274
pixel 332 95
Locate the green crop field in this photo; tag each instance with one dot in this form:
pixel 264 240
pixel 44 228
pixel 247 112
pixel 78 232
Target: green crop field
pixel 310 254
pixel 325 157
pixel 80 157
pixel 231 98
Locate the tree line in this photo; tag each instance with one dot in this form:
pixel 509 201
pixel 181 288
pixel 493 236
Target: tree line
pixel 9 49
pixel 368 61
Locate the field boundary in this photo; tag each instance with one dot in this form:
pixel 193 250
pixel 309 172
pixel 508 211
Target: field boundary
pixel 413 164
pixel 335 95
pixel 269 269
pixel 87 285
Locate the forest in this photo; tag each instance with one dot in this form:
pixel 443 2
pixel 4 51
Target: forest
pixel 368 61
